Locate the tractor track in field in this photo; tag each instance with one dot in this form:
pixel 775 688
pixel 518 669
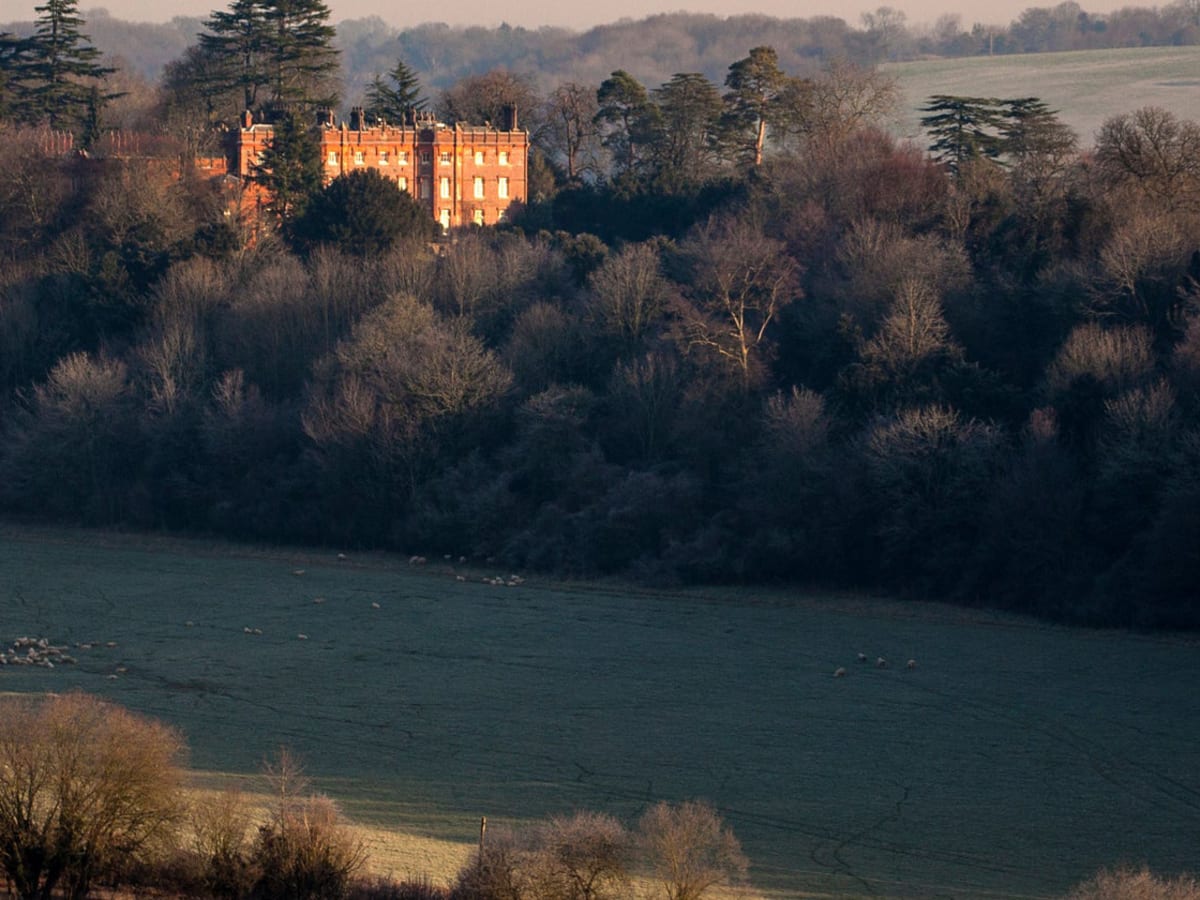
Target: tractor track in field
pixel 1110 767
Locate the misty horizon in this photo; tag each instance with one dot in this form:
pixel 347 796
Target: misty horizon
pixel 918 13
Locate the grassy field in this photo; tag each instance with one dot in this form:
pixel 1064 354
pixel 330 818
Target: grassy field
pixel 1085 87
pixel 1013 761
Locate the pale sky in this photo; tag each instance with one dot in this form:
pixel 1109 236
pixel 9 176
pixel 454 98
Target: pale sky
pixel 579 16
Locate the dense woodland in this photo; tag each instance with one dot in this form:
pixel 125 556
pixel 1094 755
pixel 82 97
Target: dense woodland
pixel 738 334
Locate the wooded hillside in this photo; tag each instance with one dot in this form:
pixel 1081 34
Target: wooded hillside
pixel 738 334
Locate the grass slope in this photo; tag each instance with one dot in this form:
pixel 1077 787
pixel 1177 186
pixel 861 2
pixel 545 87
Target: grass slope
pixel 1086 87
pixel 1015 760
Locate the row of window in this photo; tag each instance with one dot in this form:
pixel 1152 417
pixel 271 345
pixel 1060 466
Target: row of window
pixel 385 157
pixel 478 188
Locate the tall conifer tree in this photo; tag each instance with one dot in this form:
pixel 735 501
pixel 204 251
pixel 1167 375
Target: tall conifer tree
pixel 278 54
pixel 755 84
pixel 52 74
pixel 290 169
pixel 392 100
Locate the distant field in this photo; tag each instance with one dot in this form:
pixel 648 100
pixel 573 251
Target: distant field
pixel 1086 87
pixel 1013 761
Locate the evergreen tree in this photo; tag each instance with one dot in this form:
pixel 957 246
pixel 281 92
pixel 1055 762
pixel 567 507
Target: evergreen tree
pixel 755 85
pixel 235 50
pixel 687 144
pixel 393 99
pixel 278 54
pixel 290 169
pixel 363 213
pixel 629 117
pixel 11 50
pixel 1030 128
pixel 963 128
pixel 49 73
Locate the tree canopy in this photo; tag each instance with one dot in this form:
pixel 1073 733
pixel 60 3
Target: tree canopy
pixel 272 54
pixel 363 213
pixel 394 98
pixel 53 76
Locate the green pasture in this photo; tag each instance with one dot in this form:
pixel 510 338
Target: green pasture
pixel 1086 87
pixel 1014 760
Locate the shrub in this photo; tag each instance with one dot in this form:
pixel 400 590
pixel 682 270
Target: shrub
pixel 494 873
pixel 1127 884
pixel 303 851
pixel 220 825
pixel 381 888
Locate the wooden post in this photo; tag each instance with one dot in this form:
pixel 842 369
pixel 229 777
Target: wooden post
pixel 482 834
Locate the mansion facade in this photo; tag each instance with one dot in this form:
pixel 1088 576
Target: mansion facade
pixel 460 174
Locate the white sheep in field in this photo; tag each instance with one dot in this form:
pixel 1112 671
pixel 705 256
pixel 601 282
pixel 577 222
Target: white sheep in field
pixel 839 672
pixel 862 657
pixel 881 663
pixel 911 664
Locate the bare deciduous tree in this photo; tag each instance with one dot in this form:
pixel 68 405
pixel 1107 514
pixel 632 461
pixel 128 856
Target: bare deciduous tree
pixel 585 856
pixel 628 292
pixel 85 786
pixel 846 98
pixel 690 849
pixel 739 281
pixel 1157 151
pixel 1117 358
pixel 913 331
pixel 569 132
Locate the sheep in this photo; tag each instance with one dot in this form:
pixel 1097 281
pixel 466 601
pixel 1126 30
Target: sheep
pixel 862 657
pixel 302 637
pixel 839 672
pixel 375 605
pixel 911 664
pixel 881 663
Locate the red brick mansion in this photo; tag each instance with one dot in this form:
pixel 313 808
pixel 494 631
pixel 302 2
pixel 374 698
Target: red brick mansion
pixel 461 174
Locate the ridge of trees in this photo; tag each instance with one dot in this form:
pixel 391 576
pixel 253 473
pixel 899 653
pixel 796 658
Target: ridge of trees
pixel 688 357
